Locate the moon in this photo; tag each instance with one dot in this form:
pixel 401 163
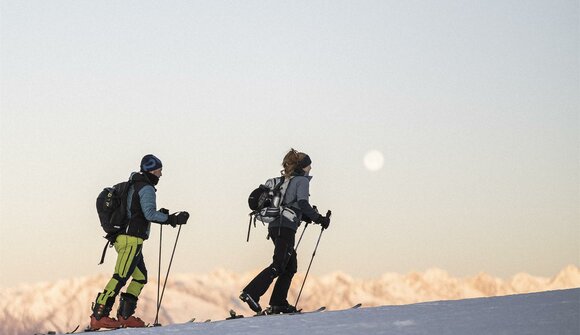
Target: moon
pixel 374 160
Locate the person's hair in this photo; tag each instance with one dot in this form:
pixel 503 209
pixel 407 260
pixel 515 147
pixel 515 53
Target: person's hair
pixel 290 162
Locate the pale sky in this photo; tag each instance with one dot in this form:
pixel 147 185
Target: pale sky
pixel 473 104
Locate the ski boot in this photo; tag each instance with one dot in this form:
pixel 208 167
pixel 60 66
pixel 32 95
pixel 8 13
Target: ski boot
pixel 253 304
pixel 126 310
pixel 283 309
pixel 100 317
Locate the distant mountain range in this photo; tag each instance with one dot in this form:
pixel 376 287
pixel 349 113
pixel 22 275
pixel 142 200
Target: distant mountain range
pixel 62 305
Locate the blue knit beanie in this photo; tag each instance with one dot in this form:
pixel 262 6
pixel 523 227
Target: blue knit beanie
pixel 150 163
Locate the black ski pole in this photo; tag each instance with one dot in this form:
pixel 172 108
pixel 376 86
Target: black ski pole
pixel 167 274
pixel 300 239
pixel 156 323
pixel 308 270
pixel 311 259
pixel 305 226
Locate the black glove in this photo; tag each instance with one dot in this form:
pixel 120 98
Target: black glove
pixel 177 219
pixel 307 218
pixel 324 221
pixel 164 211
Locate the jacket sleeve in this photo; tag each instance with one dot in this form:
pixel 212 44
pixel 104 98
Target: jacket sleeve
pixel 149 205
pixel 302 195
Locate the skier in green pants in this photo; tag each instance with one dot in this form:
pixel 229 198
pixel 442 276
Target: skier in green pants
pixel 141 211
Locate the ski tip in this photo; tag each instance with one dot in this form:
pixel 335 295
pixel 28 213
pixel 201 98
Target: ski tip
pixel 74 330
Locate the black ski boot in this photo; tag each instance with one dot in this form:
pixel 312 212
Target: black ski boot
pixel 284 309
pixel 127 307
pixel 253 304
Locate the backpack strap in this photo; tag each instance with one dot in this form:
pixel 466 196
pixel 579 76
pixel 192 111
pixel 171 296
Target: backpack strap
pixel 282 198
pixel 284 189
pixel 253 215
pixel 108 244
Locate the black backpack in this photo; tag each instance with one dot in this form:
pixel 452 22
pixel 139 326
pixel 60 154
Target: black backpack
pixel 262 197
pixel 112 210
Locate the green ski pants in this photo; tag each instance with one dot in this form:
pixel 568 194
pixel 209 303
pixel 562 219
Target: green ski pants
pixel 129 264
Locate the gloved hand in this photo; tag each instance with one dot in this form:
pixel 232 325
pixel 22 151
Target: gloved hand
pixel 324 221
pixel 164 211
pixel 306 218
pixel 178 218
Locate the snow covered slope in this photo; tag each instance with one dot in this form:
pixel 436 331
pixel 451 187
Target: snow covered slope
pixel 62 305
pixel 553 312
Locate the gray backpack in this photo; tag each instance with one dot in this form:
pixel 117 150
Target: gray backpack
pixel 267 202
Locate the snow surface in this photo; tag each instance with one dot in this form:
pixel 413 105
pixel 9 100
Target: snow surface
pixel 553 312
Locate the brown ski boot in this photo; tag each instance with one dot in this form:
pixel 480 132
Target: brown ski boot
pixel 100 318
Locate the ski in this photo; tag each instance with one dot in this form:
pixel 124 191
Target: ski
pixel 54 333
pixel 193 321
pixel 234 315
pixel 300 311
pixel 356 306
pixel 88 329
pixel 91 330
pixel 319 309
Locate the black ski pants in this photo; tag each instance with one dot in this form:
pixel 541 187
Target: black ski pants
pixel 284 266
